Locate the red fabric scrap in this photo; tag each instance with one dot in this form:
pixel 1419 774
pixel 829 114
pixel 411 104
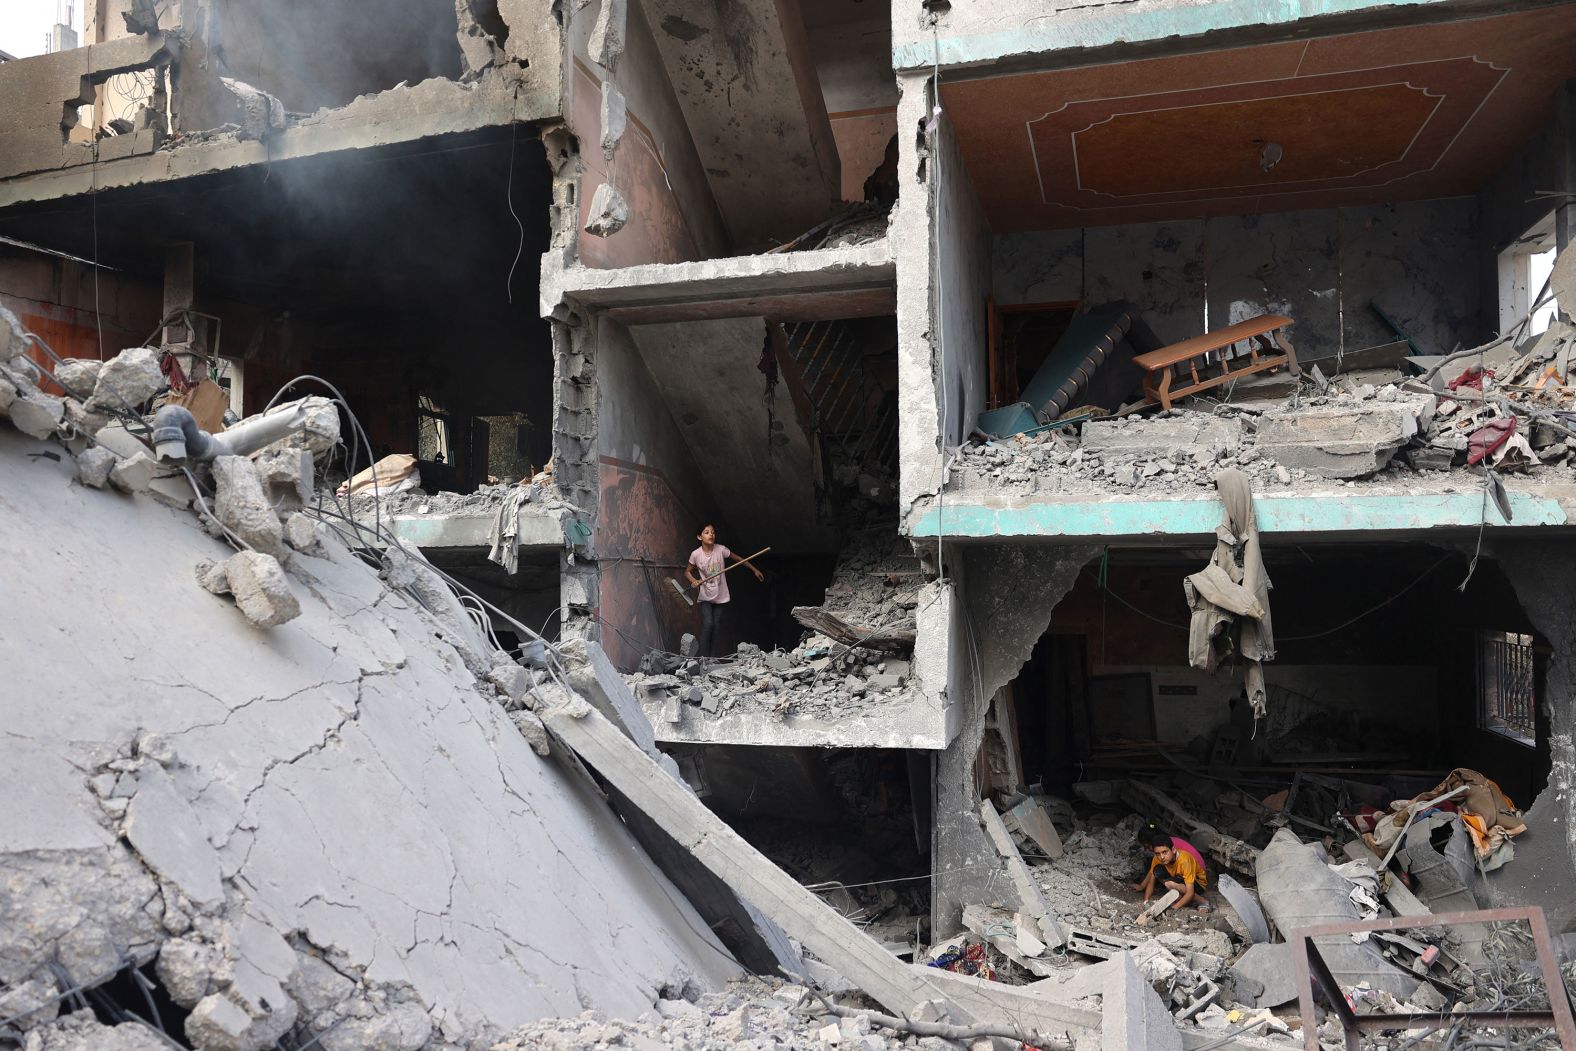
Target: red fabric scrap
pixel 1472 377
pixel 174 374
pixel 1489 437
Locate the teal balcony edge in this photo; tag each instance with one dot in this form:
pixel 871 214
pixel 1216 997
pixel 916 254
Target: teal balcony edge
pixel 959 517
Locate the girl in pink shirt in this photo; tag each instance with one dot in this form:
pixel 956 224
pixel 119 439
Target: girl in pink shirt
pixel 705 570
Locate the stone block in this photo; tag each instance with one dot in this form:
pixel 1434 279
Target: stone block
pixel 286 473
pixel 1210 437
pixel 135 474
pixel 37 415
pixel 1337 442
pixel 301 532
pixel 513 680
pixel 241 505
pixel 78 375
pixel 94 466
pixel 261 591
pixel 127 380
pixel 533 731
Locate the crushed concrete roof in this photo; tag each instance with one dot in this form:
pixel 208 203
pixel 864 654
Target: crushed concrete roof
pixel 333 803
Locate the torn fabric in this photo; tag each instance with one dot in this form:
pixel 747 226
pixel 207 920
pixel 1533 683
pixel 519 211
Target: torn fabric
pixel 1230 597
pixel 1489 815
pixel 504 536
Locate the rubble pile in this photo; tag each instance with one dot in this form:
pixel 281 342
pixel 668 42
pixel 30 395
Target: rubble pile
pixel 816 678
pixel 1219 969
pixel 874 592
pixel 484 502
pixel 1344 432
pixel 754 1013
pixel 293 835
pixel 876 585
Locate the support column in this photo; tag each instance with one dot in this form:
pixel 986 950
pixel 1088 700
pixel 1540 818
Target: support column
pixel 1008 594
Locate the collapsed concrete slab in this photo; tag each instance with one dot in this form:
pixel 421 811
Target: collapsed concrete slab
pixel 1298 890
pixel 339 786
pixel 1206 437
pixel 1337 442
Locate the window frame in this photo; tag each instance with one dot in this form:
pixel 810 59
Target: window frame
pixel 1501 658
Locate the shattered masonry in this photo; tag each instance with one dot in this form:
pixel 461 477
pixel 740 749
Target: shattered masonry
pixel 1160 476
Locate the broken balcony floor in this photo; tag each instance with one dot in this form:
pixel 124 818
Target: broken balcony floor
pixel 455 520
pixel 1341 464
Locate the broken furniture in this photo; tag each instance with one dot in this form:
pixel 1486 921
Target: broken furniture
pixel 1311 968
pixel 1091 338
pixel 1198 363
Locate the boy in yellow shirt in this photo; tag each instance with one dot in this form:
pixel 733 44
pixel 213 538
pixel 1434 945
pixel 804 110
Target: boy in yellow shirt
pixel 1183 863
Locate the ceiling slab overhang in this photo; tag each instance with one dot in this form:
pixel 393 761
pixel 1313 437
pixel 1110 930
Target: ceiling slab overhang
pixel 1393 114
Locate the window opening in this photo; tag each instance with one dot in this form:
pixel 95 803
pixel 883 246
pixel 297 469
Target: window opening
pixel 434 431
pixel 1506 702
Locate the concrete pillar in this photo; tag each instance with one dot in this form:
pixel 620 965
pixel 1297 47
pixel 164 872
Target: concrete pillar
pixel 1008 594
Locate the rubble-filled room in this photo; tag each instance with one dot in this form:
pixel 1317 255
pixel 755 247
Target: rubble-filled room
pixel 371 274
pixel 785 443
pixel 1327 218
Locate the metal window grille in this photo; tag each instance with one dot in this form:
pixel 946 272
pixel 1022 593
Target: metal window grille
pixel 1506 700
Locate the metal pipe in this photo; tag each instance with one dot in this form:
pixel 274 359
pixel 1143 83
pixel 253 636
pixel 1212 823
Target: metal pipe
pixel 177 437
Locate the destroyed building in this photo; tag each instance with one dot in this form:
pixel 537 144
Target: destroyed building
pixel 1153 413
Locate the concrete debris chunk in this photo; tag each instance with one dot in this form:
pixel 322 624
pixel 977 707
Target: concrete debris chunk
pixel 1133 1015
pixel 94 466
pixel 512 679
pixel 606 44
pixel 1272 969
pixel 397 1027
pixel 261 591
pixel 31 1003
pixel 300 532
pixel 13 338
pixel 135 474
pixel 82 1031
pixel 609 212
pixel 1338 442
pixel 1208 436
pixel 84 420
pixel 533 731
pixel 614 117
pixel 211 576
pixel 36 414
pixel 126 381
pixel 186 969
pixel 8 394
pixel 165 831
pixel 1298 890
pixel 78 375
pixel 286 473
pixel 243 508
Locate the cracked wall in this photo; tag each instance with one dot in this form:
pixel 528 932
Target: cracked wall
pixel 1418 261
pixel 336 790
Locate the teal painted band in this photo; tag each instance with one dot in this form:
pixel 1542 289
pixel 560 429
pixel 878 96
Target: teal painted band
pixel 1138 518
pixel 1067 31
